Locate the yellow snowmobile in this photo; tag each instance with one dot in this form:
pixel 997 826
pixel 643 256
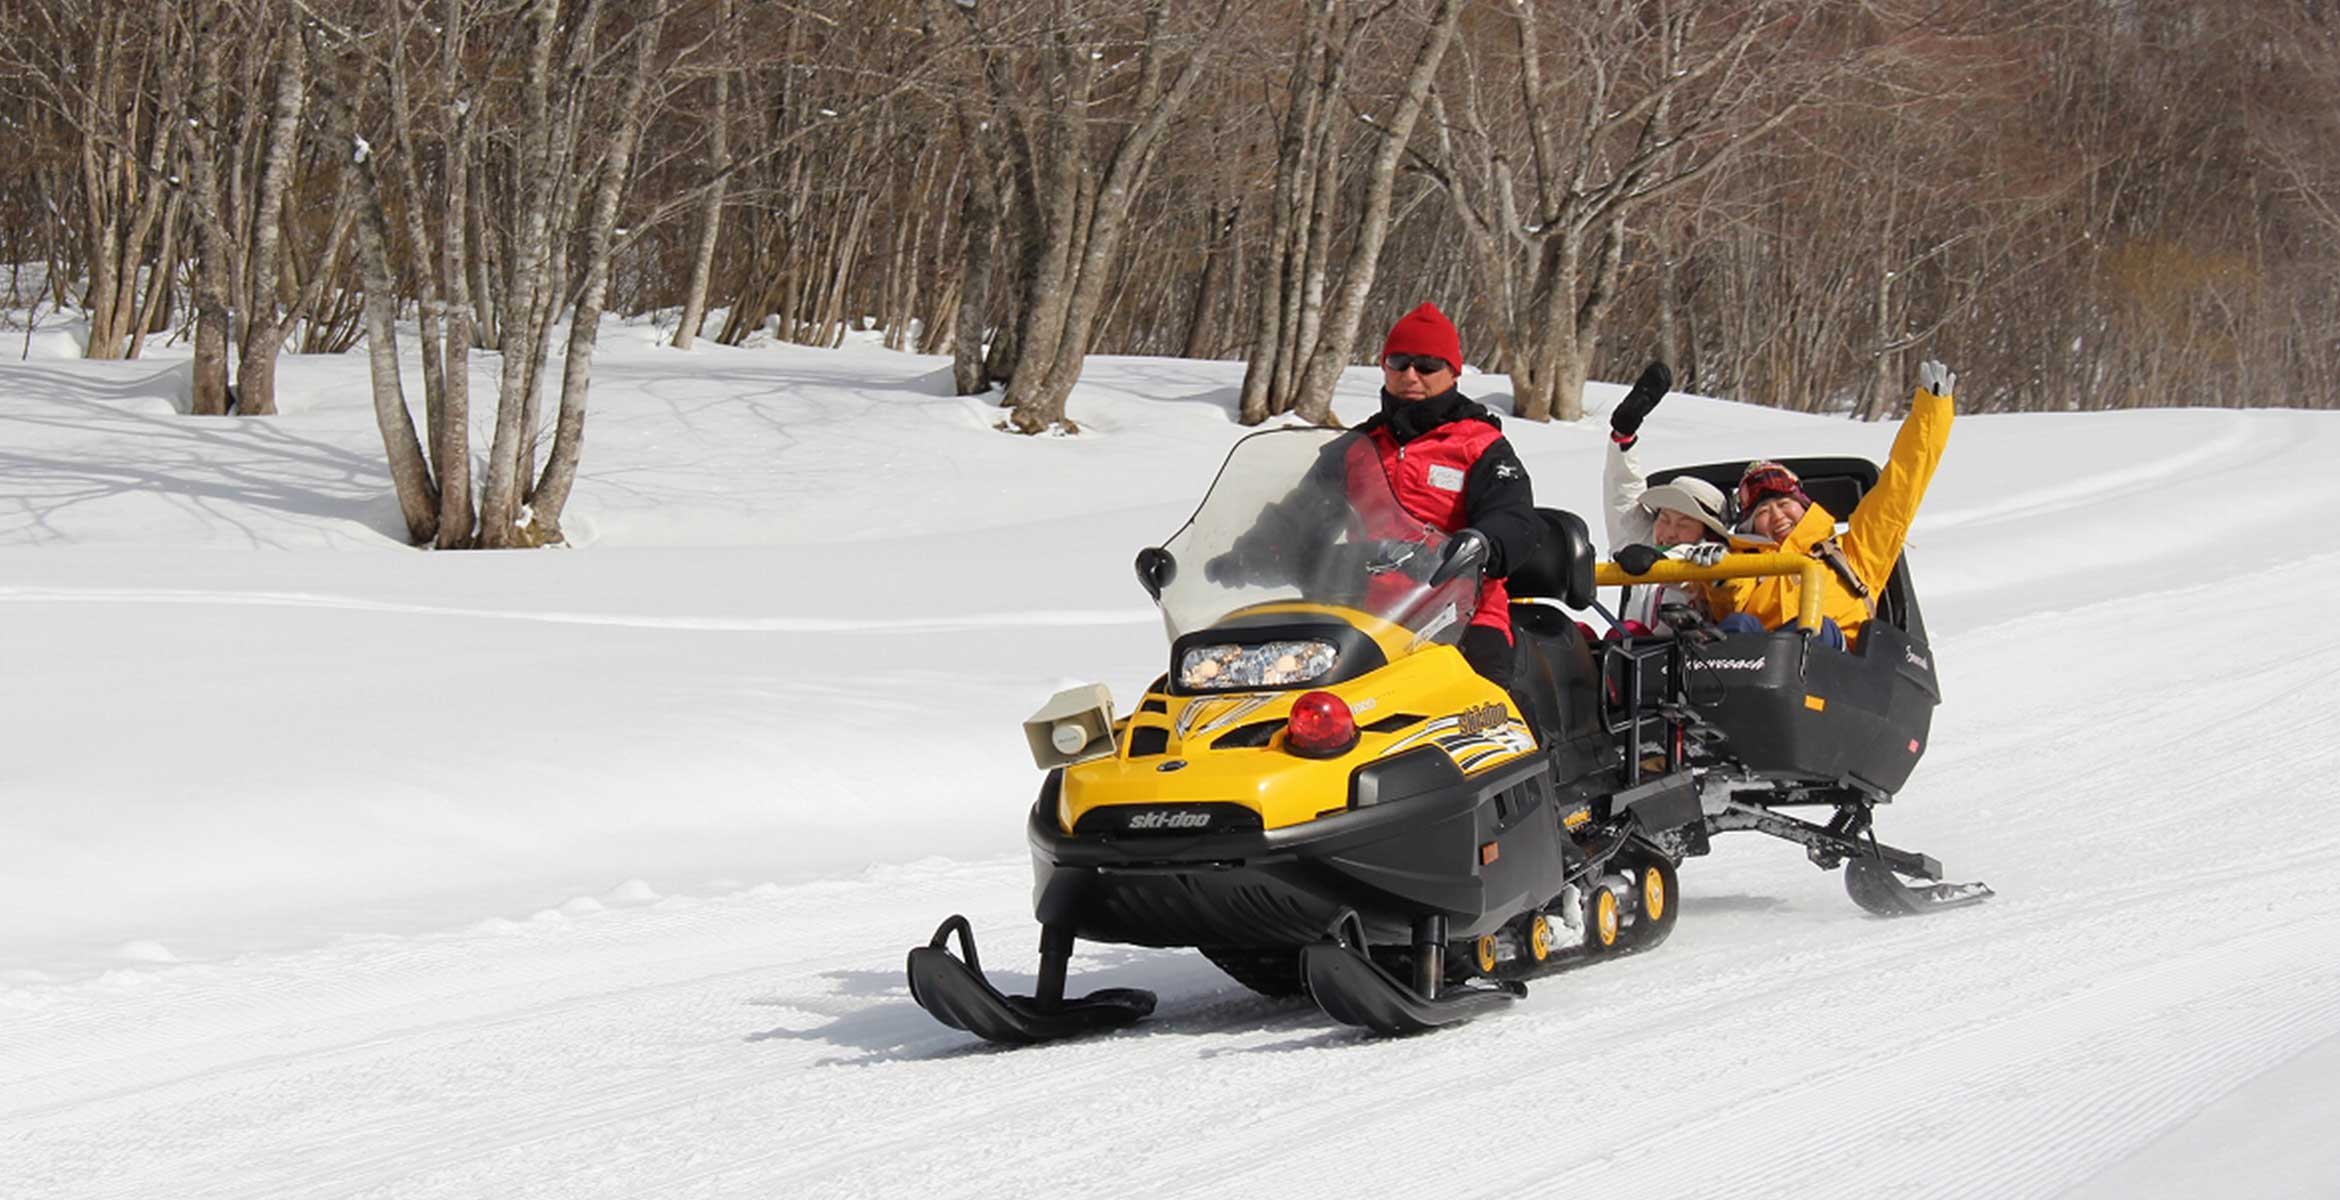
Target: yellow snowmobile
pixel 1321 795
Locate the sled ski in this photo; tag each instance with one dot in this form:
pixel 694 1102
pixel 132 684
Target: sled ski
pixel 1872 870
pixel 1353 989
pixel 956 991
pixel 1874 886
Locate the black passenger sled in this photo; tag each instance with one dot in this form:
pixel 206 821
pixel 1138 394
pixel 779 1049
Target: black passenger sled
pixel 1769 722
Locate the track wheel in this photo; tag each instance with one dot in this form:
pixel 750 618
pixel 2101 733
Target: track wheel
pixel 1483 953
pixel 1661 902
pixel 1539 940
pixel 1603 919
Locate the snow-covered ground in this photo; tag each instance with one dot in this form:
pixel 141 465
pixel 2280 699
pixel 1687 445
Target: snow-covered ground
pixel 334 868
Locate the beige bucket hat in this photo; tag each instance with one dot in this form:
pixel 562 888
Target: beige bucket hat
pixel 1692 497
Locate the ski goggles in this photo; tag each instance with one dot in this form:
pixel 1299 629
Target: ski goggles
pixel 1419 364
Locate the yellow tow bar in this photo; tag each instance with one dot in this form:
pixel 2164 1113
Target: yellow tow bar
pixel 1808 572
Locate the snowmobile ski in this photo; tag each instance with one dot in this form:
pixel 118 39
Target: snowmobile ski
pixel 1354 990
pixel 1874 886
pixel 957 993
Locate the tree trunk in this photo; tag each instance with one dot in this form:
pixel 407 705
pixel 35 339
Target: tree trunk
pixel 1267 353
pixel 1337 341
pixel 979 231
pixel 550 496
pixel 154 312
pixel 1199 342
pixel 266 328
pixel 410 475
pixel 482 267
pixel 451 436
pixel 710 219
pixel 213 241
pixel 524 294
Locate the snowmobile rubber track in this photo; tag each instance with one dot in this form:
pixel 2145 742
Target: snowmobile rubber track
pixel 1876 888
pixel 957 994
pixel 1353 990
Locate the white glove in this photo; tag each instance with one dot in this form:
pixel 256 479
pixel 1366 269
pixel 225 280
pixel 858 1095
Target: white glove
pixel 1936 378
pixel 1698 554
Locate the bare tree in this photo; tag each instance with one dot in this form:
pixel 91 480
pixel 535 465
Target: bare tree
pixel 111 83
pixel 1304 338
pixel 1048 80
pixel 1613 112
pixel 575 125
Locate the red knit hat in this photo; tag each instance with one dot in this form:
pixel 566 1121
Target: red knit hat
pixel 1764 479
pixel 1425 331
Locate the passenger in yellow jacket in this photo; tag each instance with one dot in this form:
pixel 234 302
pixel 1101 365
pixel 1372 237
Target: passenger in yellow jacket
pixel 1774 508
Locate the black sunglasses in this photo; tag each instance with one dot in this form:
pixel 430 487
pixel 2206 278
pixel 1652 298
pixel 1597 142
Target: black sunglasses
pixel 1419 364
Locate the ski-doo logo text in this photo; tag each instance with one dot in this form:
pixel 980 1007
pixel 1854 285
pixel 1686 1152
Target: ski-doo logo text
pixel 1481 719
pixel 1916 659
pixel 1146 821
pixel 1730 664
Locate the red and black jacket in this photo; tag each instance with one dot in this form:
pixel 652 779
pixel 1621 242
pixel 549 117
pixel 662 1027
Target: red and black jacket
pixel 1451 467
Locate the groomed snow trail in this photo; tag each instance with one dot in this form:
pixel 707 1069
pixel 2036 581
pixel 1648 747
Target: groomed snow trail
pixel 2147 796
pixel 267 769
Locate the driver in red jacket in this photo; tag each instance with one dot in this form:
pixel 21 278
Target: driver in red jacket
pixel 1452 468
pixel 1448 466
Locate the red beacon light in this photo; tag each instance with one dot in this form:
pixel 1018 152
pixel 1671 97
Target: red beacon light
pixel 1321 726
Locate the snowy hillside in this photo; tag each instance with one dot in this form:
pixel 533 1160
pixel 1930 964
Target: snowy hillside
pixel 333 868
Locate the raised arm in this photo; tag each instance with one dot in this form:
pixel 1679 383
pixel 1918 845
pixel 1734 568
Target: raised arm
pixel 1880 523
pixel 1622 480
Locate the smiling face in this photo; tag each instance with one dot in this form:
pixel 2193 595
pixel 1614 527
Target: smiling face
pixel 1671 528
pixel 1776 516
pixel 1413 382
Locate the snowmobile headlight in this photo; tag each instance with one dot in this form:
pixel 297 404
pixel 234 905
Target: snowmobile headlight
pixel 1237 667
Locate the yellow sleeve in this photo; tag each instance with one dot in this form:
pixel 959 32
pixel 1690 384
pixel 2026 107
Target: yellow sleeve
pixel 1726 596
pixel 1880 522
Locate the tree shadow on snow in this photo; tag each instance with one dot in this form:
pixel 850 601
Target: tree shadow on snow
pixel 213 465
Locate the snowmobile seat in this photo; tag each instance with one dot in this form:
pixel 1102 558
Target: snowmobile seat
pixel 1554 675
pixel 1561 568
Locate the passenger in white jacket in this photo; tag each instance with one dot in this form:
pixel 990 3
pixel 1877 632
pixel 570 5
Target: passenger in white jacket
pixel 1683 518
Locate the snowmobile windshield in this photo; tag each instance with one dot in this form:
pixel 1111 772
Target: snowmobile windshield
pixel 1309 516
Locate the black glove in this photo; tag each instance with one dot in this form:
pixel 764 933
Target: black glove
pixel 1468 550
pixel 1637 559
pixel 1224 569
pixel 1625 419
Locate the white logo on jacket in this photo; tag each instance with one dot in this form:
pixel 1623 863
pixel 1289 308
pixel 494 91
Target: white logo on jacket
pixel 1446 479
